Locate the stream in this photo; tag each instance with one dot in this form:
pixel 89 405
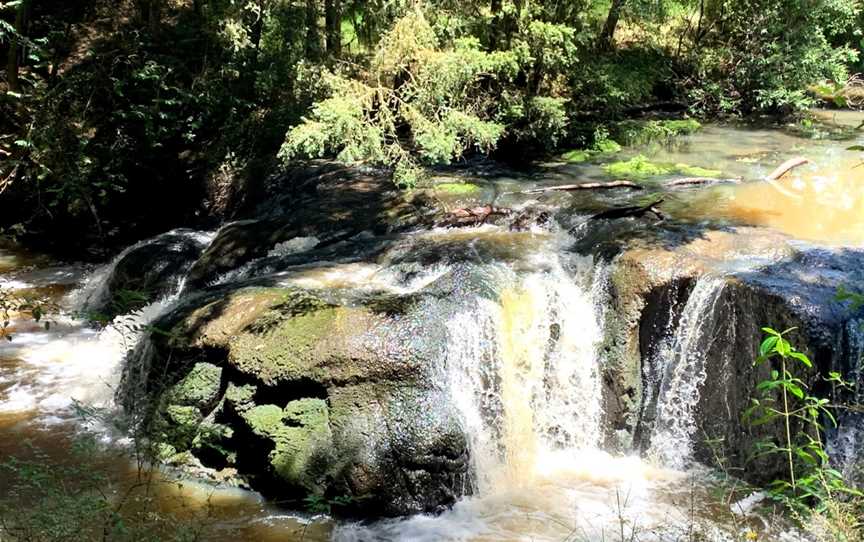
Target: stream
pixel 520 345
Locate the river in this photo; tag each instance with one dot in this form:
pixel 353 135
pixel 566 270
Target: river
pixel 539 454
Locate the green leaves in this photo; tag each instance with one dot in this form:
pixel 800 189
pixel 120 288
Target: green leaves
pixel 785 399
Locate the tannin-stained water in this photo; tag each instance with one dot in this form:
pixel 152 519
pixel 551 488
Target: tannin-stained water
pixel 525 371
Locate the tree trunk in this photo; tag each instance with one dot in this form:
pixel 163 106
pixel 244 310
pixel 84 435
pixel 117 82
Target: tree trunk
pixel 155 15
pixel 608 34
pixel 313 39
pixel 13 63
pixel 333 25
pixel 495 27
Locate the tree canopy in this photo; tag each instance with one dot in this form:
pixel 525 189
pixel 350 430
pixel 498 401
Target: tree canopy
pixel 108 104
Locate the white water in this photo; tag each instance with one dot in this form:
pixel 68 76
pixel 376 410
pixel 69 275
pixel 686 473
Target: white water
pixel 681 367
pixel 523 371
pixel 73 362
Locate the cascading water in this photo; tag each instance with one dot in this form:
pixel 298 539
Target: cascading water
pixel 534 382
pixel 523 369
pixel 680 366
pixel 73 362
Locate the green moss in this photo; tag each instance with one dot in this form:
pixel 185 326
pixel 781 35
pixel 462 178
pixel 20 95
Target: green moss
pixel 240 397
pixel 576 156
pixel 457 189
pixel 305 346
pixel 264 420
pixel 602 146
pixel 199 388
pixel 301 439
pixel 607 146
pixel 639 168
pixel 177 426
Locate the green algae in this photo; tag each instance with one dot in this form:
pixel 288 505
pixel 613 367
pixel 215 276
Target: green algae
pixel 640 168
pixel 457 189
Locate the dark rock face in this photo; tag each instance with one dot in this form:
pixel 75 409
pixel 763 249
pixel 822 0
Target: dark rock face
pixel 305 398
pixel 788 289
pixel 328 202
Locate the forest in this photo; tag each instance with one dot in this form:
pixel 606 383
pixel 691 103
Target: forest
pixel 111 105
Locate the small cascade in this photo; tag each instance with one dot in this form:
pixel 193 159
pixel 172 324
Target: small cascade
pixel 96 289
pixel 524 376
pixel 680 366
pixel 72 362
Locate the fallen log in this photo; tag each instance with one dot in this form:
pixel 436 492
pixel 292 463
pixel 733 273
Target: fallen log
pixel 471 216
pixel 585 186
pixel 694 181
pixel 633 210
pixel 785 167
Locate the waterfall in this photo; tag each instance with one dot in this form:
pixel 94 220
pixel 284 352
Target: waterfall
pixel 523 373
pixel 95 290
pixel 74 362
pixel 680 365
pixel 846 444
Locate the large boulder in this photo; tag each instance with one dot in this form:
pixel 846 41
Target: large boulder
pixel 749 278
pixel 306 398
pixel 321 202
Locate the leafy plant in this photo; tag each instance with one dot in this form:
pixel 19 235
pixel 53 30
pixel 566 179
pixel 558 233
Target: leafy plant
pixel 320 504
pixel 810 480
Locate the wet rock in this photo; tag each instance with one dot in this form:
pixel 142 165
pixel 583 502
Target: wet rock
pixel 314 398
pixel 323 201
pixel 149 271
pixel 765 281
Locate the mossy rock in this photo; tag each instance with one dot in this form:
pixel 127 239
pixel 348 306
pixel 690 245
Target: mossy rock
pixel 576 156
pixel 303 338
pixel 240 398
pixel 457 189
pixel 301 440
pixel 199 388
pixel 177 425
pixel 214 324
pixel 602 147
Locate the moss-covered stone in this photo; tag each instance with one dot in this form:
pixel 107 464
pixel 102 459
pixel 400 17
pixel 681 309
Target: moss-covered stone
pixel 179 425
pixel 240 398
pixel 576 156
pixel 212 441
pixel 324 345
pixel 199 388
pixel 457 189
pixel 638 167
pixel 301 439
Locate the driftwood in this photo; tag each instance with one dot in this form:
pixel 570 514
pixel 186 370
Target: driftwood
pixel 634 210
pixel 785 167
pixel 585 186
pixel 471 216
pixel 694 181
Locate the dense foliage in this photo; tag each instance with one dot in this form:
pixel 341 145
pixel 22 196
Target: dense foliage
pixel 108 105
